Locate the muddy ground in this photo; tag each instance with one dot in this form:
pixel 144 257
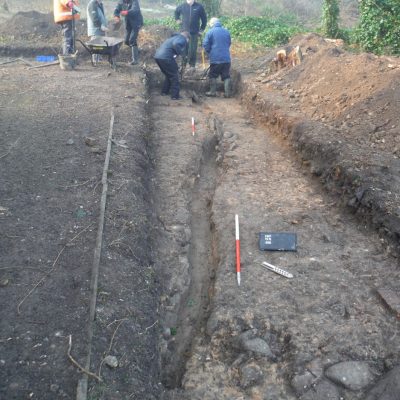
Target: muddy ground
pixel 311 150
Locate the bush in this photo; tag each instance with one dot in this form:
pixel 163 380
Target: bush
pixel 379 28
pixel 258 31
pixel 262 31
pixel 166 21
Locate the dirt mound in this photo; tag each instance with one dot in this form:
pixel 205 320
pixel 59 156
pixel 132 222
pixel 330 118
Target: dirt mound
pixel 34 25
pixel 151 37
pixel 29 24
pixel 354 92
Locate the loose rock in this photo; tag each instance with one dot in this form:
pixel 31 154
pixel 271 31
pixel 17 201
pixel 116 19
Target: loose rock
pixel 388 388
pixel 324 390
pixel 111 361
pixel 353 375
pixel 250 375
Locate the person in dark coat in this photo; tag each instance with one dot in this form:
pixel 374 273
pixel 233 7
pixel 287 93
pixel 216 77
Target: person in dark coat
pixel 193 19
pixel 130 9
pixel 217 43
pixel 166 60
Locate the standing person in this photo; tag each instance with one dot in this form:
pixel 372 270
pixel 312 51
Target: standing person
pixel 96 23
pixel 65 12
pixel 165 58
pixel 217 43
pixel 189 15
pixel 130 9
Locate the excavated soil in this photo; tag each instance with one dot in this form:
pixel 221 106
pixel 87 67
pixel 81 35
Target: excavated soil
pixel 310 150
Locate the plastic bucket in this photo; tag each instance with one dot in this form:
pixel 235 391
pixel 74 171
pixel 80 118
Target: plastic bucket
pixel 67 62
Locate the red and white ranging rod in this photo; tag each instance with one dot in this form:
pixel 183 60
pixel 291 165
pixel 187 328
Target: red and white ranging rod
pixel 237 249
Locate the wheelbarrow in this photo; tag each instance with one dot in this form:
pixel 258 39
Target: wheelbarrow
pixel 104 45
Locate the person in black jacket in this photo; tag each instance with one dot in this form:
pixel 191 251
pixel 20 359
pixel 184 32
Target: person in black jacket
pixel 130 9
pixel 189 15
pixel 165 58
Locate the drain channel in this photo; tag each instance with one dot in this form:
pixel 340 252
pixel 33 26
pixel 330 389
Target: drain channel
pixel 194 307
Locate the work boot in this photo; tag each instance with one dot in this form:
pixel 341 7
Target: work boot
pixel 227 88
pixel 213 88
pixel 135 55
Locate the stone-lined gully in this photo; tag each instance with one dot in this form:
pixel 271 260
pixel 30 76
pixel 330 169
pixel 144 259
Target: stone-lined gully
pixel 324 334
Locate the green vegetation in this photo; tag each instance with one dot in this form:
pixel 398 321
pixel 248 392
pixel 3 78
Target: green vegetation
pixel 379 28
pixel 258 31
pixel 330 17
pixel 167 21
pixel 261 31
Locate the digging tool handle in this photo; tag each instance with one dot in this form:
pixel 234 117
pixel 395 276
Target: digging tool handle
pixel 73 35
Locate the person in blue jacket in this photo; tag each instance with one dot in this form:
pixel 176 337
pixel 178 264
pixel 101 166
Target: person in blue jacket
pixel 130 9
pixel 96 23
pixel 217 43
pixel 166 60
pixel 193 19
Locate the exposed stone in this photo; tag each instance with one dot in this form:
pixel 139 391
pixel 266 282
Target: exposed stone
pixel 4 282
pixel 316 367
pixel 387 388
pixel 54 388
pixel 302 358
pixel 167 333
pixel 391 298
pixel 258 346
pixel 14 386
pixel 250 375
pixel 302 383
pixel 212 323
pixel 353 375
pixel 324 390
pixel 90 141
pixel 111 361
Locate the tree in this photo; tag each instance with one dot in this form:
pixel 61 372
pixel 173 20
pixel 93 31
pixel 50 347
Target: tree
pixel 330 18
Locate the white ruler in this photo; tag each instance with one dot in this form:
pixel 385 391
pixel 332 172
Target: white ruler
pixel 277 270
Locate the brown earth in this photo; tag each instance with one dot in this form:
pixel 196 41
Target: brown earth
pixel 311 149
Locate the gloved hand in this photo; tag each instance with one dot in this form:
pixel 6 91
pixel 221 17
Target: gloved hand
pixel 124 13
pixel 104 28
pixel 73 7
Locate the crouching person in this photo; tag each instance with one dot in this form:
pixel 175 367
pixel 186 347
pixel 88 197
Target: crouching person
pixel 166 59
pixel 217 43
